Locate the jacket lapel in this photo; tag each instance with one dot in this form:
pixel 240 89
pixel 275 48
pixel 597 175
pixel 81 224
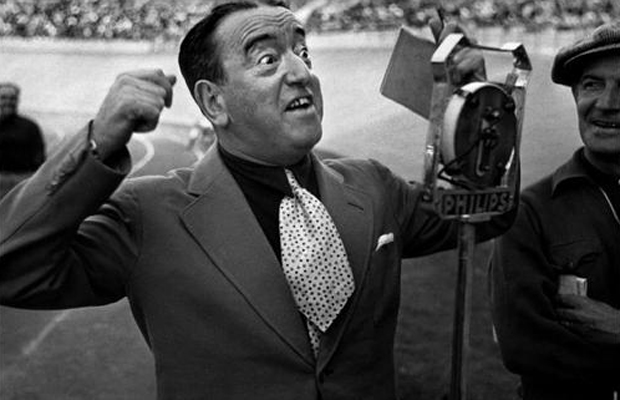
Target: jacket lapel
pixel 351 211
pixel 221 221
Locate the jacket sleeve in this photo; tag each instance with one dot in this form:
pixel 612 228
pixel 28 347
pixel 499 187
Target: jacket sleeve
pixel 532 341
pixel 60 246
pixel 39 146
pixel 423 230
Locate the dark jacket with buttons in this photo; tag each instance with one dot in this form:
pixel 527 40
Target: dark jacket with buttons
pixel 205 287
pixel 564 226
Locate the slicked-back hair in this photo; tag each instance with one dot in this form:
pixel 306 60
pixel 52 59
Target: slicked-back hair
pixel 199 54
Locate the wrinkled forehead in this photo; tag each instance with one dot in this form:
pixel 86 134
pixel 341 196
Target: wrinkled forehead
pixel 241 29
pixel 607 64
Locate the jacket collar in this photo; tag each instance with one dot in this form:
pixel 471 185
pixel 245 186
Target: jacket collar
pixel 213 163
pixel 242 253
pixel 572 170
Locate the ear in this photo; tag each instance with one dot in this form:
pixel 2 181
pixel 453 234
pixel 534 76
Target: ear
pixel 209 97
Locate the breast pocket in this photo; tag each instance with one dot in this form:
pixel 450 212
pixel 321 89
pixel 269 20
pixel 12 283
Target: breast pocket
pixel 577 257
pixel 383 282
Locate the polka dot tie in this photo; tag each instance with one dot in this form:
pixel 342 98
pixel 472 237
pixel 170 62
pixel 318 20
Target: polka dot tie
pixel 314 260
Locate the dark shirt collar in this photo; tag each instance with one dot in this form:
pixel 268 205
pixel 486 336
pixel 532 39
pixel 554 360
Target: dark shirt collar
pixel 272 177
pixel 578 167
pixel 602 178
pixel 265 186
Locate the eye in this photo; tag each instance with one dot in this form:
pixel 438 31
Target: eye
pixel 267 59
pixel 592 84
pixel 304 53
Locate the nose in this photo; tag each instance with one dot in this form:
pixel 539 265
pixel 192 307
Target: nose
pixel 297 71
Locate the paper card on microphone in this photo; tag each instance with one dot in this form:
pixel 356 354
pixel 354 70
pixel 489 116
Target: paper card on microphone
pixel 408 79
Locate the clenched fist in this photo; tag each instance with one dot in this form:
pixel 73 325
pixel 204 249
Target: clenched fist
pixel 467 64
pixel 133 104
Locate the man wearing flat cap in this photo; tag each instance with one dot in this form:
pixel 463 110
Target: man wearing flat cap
pixel 556 274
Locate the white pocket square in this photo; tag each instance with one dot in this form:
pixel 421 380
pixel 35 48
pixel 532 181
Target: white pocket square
pixel 384 239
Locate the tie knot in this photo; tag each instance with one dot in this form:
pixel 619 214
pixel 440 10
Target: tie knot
pixel 292 181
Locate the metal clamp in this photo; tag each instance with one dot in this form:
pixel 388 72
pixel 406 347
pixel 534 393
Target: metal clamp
pixel 474 134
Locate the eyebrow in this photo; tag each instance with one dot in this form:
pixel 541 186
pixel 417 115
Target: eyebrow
pixel 589 76
pixel 298 30
pixel 257 39
pixel 592 76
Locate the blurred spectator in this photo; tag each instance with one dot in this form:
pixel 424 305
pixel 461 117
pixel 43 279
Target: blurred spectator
pixel 22 149
pixel 200 137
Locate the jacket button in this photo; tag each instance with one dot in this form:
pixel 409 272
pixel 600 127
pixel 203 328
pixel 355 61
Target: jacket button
pixel 324 374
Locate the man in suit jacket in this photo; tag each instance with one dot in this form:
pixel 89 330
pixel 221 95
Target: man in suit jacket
pixel 197 252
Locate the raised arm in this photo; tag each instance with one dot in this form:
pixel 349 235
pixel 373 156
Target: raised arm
pixel 61 244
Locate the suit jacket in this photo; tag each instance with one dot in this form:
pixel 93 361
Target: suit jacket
pixel 204 285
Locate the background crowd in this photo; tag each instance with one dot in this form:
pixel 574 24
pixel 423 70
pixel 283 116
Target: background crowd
pixel 97 19
pixel 530 14
pixel 167 21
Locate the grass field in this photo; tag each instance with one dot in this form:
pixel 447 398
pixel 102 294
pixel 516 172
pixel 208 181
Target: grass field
pixel 98 353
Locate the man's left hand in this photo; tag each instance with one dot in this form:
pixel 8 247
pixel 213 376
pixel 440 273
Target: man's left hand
pixel 595 321
pixel 466 64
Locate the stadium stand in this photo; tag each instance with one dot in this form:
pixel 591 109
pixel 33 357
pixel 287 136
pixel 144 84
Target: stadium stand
pixel 166 21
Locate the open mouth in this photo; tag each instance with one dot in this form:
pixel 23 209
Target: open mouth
pixel 301 103
pixel 606 124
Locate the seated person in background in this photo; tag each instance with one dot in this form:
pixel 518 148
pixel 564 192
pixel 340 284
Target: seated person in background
pixel 22 149
pixel 563 342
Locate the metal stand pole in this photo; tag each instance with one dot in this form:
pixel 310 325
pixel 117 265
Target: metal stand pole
pixel 462 311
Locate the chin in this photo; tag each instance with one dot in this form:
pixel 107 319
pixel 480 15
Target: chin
pixel 609 152
pixel 308 138
pixel 604 152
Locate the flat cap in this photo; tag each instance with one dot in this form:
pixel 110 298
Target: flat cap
pixel 568 62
